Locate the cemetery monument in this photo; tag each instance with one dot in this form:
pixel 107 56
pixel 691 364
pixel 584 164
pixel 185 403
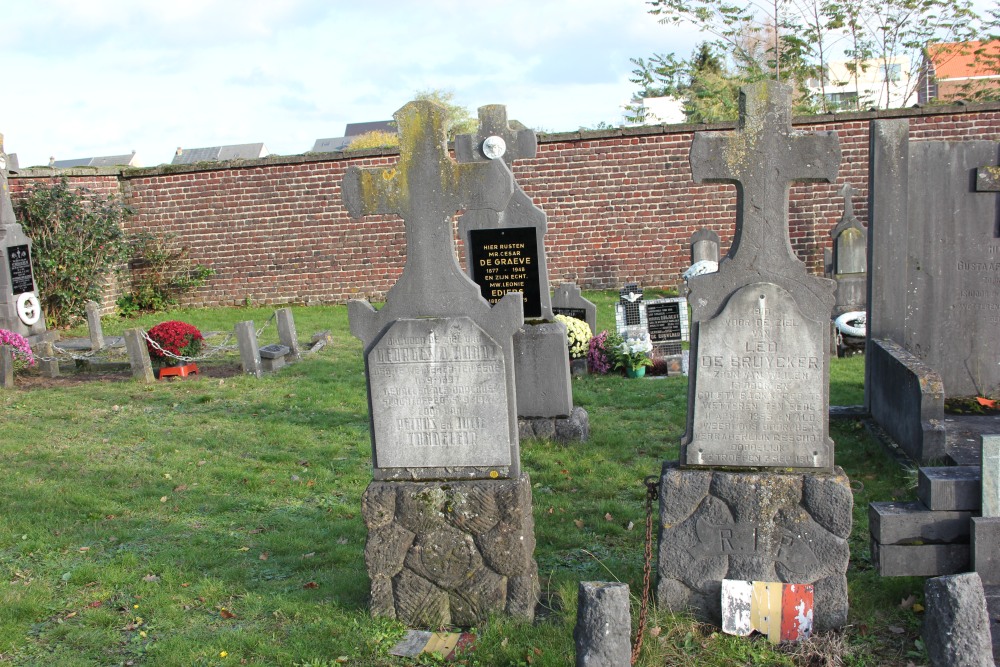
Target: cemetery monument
pixel 449 518
pixel 505 253
pixel 758 391
pixel 20 309
pixel 934 282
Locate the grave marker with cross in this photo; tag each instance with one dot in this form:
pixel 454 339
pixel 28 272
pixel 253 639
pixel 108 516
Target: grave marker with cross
pixel 759 392
pixel 439 358
pixel 519 228
pixel 20 307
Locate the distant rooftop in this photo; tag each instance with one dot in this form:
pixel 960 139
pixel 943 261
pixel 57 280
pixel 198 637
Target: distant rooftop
pixel 352 132
pixel 104 161
pixel 219 153
pixel 960 60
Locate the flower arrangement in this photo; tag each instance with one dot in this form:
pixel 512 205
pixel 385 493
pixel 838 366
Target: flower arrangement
pixel 175 338
pixel 22 350
pixel 633 352
pixel 577 336
pixel 602 352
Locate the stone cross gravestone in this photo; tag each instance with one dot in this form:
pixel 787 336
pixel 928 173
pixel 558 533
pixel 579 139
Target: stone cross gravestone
pixel 758 390
pixel 630 312
pixel 567 300
pixel 849 259
pixel 505 250
pixel 20 309
pixel 451 534
pixel 505 253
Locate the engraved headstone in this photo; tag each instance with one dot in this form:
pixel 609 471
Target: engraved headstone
pixel 985 537
pixel 505 253
pixel 567 300
pixel 758 390
pixel 934 285
pixel 667 321
pixel 20 309
pixel 450 533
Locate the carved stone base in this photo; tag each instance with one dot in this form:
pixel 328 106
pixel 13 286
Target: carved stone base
pixel 756 526
pixel 575 428
pixel 450 553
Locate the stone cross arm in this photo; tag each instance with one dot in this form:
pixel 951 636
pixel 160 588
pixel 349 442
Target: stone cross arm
pixel 519 142
pixel 719 157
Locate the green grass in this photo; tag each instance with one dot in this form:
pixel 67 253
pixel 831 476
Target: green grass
pixel 166 524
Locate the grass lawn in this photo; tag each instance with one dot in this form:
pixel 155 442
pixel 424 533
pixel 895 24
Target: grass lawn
pixel 216 520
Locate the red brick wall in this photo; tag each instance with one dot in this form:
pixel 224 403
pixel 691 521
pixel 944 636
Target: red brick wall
pixel 621 207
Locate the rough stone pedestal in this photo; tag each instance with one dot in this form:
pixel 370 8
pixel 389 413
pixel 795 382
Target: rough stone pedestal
pixel 575 428
pixel 756 526
pixel 450 553
pixel 603 632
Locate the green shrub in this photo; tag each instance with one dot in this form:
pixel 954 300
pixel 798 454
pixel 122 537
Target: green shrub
pixel 78 243
pixel 159 273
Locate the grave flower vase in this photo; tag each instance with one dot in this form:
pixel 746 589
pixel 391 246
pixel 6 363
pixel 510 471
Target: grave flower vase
pixel 635 372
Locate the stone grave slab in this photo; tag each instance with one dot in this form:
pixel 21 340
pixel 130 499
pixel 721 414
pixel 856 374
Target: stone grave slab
pixel 935 256
pixel 912 523
pixel 919 560
pixel 950 487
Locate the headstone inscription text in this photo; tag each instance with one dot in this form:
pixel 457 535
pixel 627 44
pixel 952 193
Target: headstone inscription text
pixel 667 320
pixel 438 395
pixel 758 402
pixel 19 262
pixel 506 260
pixel 575 313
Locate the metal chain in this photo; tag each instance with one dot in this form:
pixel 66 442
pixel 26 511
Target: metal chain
pixel 269 320
pixel 652 493
pixel 209 353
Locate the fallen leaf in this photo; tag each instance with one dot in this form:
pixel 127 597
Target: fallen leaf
pixel 304 463
pixel 630 526
pixel 578 522
pixel 608 517
pixel 69 615
pixel 201 463
pixel 311 584
pixel 342 540
pixel 917 608
pixel 163 499
pixel 244 549
pixel 185 585
pixel 295 478
pixel 84 549
pixel 309 555
pixel 95 604
pixel 225 613
pixel 551 510
pixel 180 487
pixel 895 629
pixel 152 578
pixel 166 475
pixel 655 631
pixel 263 555
pixel 310 483
pixel 907 603
pixel 257 530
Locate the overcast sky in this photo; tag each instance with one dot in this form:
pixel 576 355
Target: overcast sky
pixel 106 77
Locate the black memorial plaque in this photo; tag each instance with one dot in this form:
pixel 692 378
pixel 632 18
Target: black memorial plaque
pixel 506 260
pixel 575 313
pixel 663 319
pixel 19 261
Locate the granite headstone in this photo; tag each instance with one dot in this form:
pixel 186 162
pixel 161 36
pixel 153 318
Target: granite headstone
pixel 567 300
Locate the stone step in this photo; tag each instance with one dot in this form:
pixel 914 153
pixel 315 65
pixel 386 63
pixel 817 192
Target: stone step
pixel 920 560
pixel 950 488
pixel 911 523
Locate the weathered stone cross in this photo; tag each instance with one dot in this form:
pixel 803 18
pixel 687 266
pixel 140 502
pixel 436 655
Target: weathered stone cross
pixel 762 158
pixel 426 187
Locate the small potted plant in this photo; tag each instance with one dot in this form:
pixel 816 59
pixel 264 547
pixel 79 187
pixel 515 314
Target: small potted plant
pixel 578 341
pixel 602 352
pixel 633 355
pixel 172 345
